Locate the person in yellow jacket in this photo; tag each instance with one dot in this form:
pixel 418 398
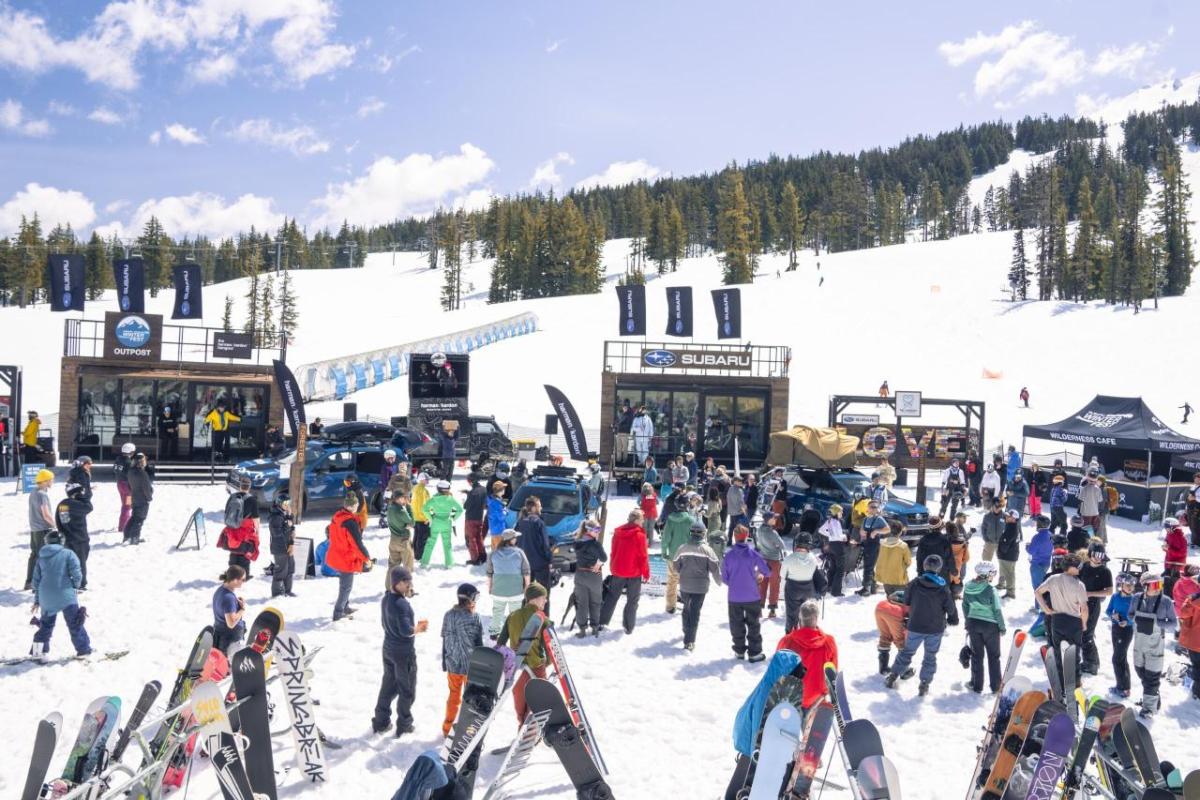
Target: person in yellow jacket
pixel 219 419
pixel 420 495
pixel 442 509
pixel 29 436
pixel 891 568
pixel 887 472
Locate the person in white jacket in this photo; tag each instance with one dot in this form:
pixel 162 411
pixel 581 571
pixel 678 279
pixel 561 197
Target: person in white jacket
pixel 802 580
pixel 642 430
pixel 989 486
pixel 835 548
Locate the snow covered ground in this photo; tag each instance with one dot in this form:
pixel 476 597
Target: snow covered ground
pixel 663 716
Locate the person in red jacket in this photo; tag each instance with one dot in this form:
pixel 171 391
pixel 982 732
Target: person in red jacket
pixel 815 648
pixel 1176 546
pixel 1187 585
pixel 347 554
pixel 649 505
pixel 1189 636
pixel 629 568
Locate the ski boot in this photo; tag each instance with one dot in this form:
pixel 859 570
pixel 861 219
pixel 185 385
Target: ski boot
pixel 923 689
pixel 884 657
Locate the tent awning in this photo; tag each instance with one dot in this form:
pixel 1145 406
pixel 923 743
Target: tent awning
pixel 1124 422
pixel 1186 461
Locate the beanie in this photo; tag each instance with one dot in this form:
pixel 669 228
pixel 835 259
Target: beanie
pixel 536 590
pixel 400 574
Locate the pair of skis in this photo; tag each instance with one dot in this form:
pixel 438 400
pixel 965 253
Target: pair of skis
pixel 1010 691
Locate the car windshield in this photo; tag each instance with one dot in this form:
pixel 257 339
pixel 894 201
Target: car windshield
pixel 556 500
pixel 852 483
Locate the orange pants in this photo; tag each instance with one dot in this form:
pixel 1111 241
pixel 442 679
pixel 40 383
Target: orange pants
pixel 519 690
pixel 770 585
pixel 456 683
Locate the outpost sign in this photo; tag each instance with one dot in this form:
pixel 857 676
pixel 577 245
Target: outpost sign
pixel 133 336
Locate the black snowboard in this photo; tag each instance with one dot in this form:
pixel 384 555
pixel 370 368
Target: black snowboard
pixel 44 743
pixel 227 764
pixel 861 739
pixel 561 734
pixel 485 676
pixel 149 694
pixel 250 684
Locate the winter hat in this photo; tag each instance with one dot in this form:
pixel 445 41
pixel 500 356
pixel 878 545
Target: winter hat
pixel 443 485
pixel 536 590
pixel 400 574
pixel 468 591
pixel 741 533
pixel 509 535
pixel 43 475
pixel 935 522
pixel 698 530
pixel 1170 522
pixel 422 477
pixel 801 542
pixel 1076 521
pixel 985 569
pixel 932 563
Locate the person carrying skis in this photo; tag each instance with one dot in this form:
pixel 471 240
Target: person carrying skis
pixel 57 577
pixel 121 465
pixel 1040 550
pixel 769 545
pixel 347 554
pixel 695 563
pixel 985 626
pixel 497 514
pixel 1189 635
pixel 1063 601
pixel 589 577
pixel 400 630
pixel 834 546
pixel 462 631
pixel 1008 550
pixel 283 538
pixel 399 520
pixel 989 485
pixel 1097 579
pixel 816 649
pixel 536 599
pixel 535 542
pixel 508 578
pixel 1153 614
pixel 802 579
pixel 629 568
pixel 895 556
pixel 474 506
pixel 229 610
pixel 442 510
pixel 1058 504
pixel 871 533
pixel 1122 631
pixel 930 610
pixel 742 570
pixel 891 618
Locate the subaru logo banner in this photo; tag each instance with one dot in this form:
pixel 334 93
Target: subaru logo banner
pixel 659 359
pixel 129 276
pixel 679 311
pixel 728 305
pixel 187 293
pixel 632 299
pixel 568 420
pixel 66 281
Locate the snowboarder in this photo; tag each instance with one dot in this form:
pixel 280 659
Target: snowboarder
pixel 474 507
pixel 891 618
pixel 399 521
pixel 462 631
pixel 884 391
pixel 1152 614
pixel 283 539
pixel 534 665
pixel 508 578
pixel 695 563
pixel 71 518
pixel 930 610
pixel 1117 612
pixel 834 546
pixel 1008 550
pixel 399 681
pixel 985 626
pixel 815 648
pixel 954 488
pixel 1063 601
pixel 56 578
pixel 497 514
pixel 228 610
pixel 742 571
pixel 141 492
pixel 536 543
pixel 802 579
pixel 1187 412
pixel 1025 396
pixel 346 554
pixel 589 577
pixel 629 568
pixel 770 546
pixel 442 510
pixel 121 465
pixel 1097 579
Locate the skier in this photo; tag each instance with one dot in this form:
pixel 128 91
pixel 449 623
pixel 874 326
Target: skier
pixel 1018 493
pixel 985 626
pixel 240 534
pixel 473 509
pixel 346 554
pixel 930 610
pixel 954 487
pixel 1152 614
pixel 742 571
pixel 1041 552
pixel 442 510
pixel 816 649
pixel 891 617
pixel 229 609
pixel 834 547
pixel 399 520
pixel 1063 601
pixel 642 430
pixel 1189 636
pixel 141 492
pixel 770 546
pixel 534 665
pixel 536 543
pixel 57 577
pixel 121 465
pixel 400 630
pixel 220 421
pixel 1097 579
pixel 1025 396
pixel 1122 631
pixel 508 578
pixel 802 580
pixel 497 514
pixel 675 534
pixel 71 514
pixel 1187 411
pixel 629 568
pixel 1058 504
pixel 283 538
pixel 462 631
pixel 420 496
pixel 695 563
pixel 989 485
pixel 1008 550
pixel 874 527
pixel 894 559
pixel 589 578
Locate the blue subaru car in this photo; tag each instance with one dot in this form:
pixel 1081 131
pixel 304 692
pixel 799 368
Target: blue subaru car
pixel 326 466
pixel 564 497
pixel 822 488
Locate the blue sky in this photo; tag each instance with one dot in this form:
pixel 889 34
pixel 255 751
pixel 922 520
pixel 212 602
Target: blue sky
pixel 217 114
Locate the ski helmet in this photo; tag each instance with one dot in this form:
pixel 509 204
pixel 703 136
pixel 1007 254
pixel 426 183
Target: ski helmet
pixel 1076 521
pixel 593 467
pixel 1170 522
pixel 985 569
pixel 128 448
pixel 389 453
pixel 1152 580
pixel 468 591
pixel 1125 579
pixel 443 485
pixel 932 563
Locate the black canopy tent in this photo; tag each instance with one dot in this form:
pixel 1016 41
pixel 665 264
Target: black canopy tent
pixel 1184 462
pixel 1121 430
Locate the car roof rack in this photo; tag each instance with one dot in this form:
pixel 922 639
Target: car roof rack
pixel 547 471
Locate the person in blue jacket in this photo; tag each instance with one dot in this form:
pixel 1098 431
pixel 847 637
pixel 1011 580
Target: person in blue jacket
pixel 497 512
pixel 57 577
pixel 1013 462
pixel 448 442
pixel 1041 552
pixel 535 542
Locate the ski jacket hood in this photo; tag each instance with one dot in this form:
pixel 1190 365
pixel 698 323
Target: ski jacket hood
pixel 628 558
pixel 980 602
pixel 816 649
pixel 676 533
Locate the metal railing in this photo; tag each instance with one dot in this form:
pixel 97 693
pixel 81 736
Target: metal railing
pixel 760 361
pixel 180 343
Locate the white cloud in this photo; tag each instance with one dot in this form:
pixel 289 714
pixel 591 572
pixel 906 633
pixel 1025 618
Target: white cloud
pixel 217 69
pixel 546 173
pixel 384 62
pixel 981 44
pixel 620 173
pixel 207 214
pixel 105 116
pixel 414 185
pixel 61 109
pixel 299 141
pixel 52 206
pixel 155 137
pixel 1123 60
pixel 13 118
pixel 553 46
pixel 107 51
pixel 372 105
pixel 474 200
pixel 116 206
pixel 179 133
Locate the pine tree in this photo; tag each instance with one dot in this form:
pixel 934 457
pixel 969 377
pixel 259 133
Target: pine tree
pixel 251 267
pixel 791 223
pixel 676 240
pixel 733 230
pixel 31 261
pixel 1018 274
pixel 451 242
pixel 227 315
pixel 1171 223
pixel 156 251
pixel 289 317
pixel 99 266
pixel 267 312
pixel 1085 258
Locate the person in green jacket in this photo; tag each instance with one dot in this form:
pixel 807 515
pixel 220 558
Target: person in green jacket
pixel 676 533
pixel 442 510
pixel 399 522
pixel 985 625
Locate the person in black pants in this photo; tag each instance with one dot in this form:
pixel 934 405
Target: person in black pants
pixel 1098 581
pixel 984 622
pixel 1064 602
pixel 1122 631
pixel 141 492
pixel 629 567
pixel 168 433
pixel 535 542
pixel 835 549
pixel 399 656
pixel 282 539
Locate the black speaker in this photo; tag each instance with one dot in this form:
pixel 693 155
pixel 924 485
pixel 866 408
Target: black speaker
pixel 551 424
pixel 349 412
pixel 399 422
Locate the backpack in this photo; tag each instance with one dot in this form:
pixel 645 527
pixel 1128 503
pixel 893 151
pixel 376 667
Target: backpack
pixel 235 510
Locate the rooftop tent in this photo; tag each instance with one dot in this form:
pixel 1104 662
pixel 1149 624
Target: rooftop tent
pixel 812 447
pixel 1121 422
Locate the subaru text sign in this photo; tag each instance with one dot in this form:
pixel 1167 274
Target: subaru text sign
pixel 631 300
pixel 135 337
pixel 727 303
pixel 679 311
pixel 728 360
pixel 129 276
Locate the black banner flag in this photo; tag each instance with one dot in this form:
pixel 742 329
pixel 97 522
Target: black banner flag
pixel 66 281
pixel 632 299
pixel 129 276
pixel 728 305
pixel 188 300
pixel 289 394
pixel 679 311
pixel 568 420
